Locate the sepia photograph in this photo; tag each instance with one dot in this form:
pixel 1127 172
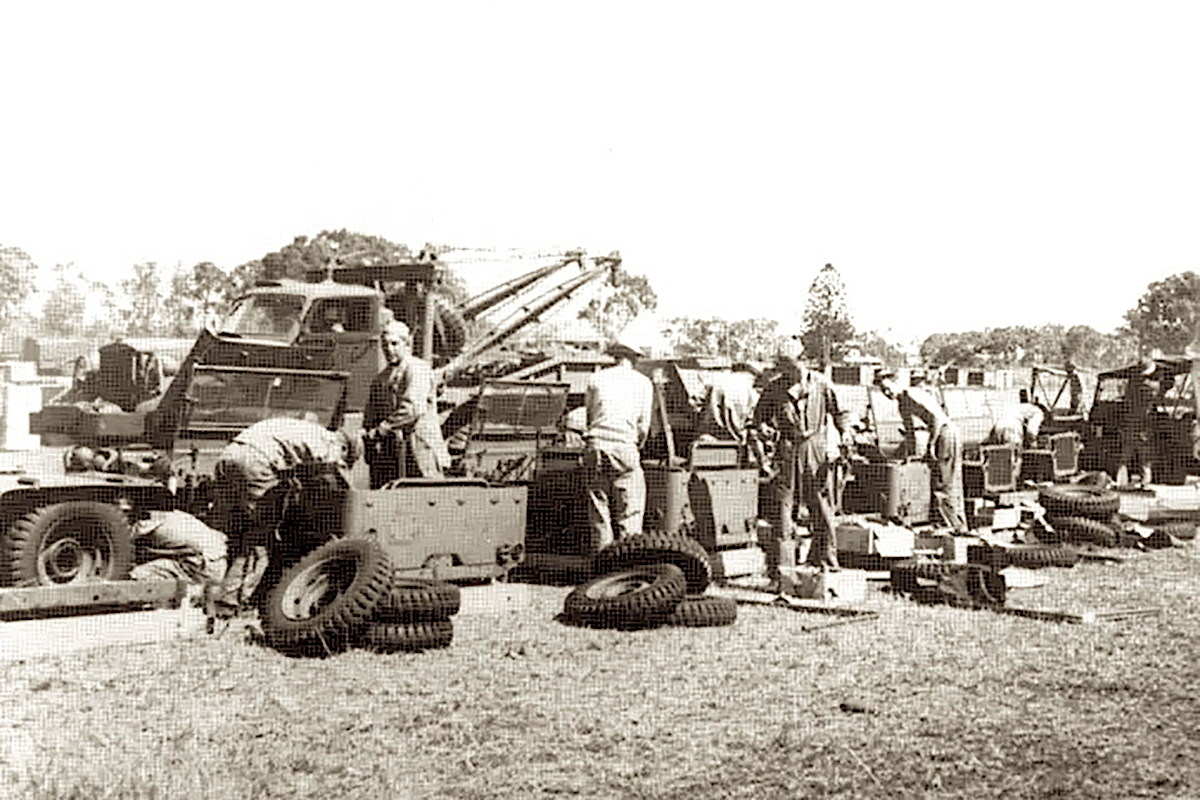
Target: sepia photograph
pixel 657 401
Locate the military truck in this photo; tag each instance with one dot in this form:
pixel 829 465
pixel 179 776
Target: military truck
pixel 306 349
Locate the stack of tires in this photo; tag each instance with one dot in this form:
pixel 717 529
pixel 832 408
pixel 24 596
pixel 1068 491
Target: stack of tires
pixel 648 580
pixel 1081 514
pixel 346 594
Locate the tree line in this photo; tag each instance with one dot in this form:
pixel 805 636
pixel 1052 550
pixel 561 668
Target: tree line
pixel 179 301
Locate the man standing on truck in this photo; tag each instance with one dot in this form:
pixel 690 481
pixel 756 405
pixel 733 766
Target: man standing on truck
pixel 400 422
pixel 792 413
pixel 251 466
pixel 619 401
pixel 944 449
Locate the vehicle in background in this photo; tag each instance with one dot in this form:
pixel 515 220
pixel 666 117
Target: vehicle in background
pixel 1172 419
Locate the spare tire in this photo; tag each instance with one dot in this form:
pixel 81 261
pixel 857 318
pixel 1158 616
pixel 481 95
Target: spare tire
pixel 415 599
pixel 634 597
pixel 657 547
pixel 395 637
pixel 1076 500
pixel 703 611
pixel 1034 556
pixel 73 542
pixel 328 597
pixel 1185 531
pixel 1081 530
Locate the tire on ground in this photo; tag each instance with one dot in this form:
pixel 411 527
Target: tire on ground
pixel 633 597
pixel 1184 530
pixel 703 611
pixel 326 599
pixel 1082 530
pixel 655 548
pixel 72 542
pixel 1077 500
pixel 1034 556
pixel 397 637
pixel 416 599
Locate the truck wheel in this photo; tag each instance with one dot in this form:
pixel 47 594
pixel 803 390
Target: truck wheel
pixel 1081 530
pixel 703 611
pixel 636 597
pixel 1180 530
pixel 655 548
pixel 396 637
pixel 1034 556
pixel 72 542
pixel 1076 500
pixel 415 599
pixel 328 597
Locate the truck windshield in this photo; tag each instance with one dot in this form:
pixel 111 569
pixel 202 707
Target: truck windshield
pixel 266 316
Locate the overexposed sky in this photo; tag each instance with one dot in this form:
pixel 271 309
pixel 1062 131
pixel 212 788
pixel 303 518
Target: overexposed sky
pixel 963 165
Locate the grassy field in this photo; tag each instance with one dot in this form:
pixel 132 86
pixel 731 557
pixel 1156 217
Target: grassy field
pixel 921 702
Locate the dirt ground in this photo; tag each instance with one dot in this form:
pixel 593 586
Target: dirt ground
pixel 921 702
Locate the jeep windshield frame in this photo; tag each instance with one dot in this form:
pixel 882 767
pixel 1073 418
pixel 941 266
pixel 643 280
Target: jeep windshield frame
pixel 272 317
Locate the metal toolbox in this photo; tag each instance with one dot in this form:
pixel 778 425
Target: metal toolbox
pixel 447 529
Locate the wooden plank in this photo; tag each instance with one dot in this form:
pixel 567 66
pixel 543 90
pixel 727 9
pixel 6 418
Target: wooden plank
pixel 750 596
pixel 82 598
pixel 1084 618
pixel 59 635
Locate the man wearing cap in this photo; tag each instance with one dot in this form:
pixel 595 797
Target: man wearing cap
pixel 400 421
pixel 944 450
pixel 248 469
pixel 791 413
pixel 618 401
pixel 1137 445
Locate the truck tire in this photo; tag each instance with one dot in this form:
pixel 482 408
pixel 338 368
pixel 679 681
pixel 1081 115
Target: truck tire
pixel 634 597
pixel 1082 530
pixel 73 542
pixel 656 548
pixel 1035 556
pixel 327 598
pixel 398 637
pixel 1185 531
pixel 417 599
pixel 1077 500
pixel 703 611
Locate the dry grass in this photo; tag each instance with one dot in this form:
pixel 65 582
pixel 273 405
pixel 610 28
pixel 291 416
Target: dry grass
pixel 953 703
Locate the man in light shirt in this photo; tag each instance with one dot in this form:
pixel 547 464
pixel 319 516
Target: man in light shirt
pixel 618 402
pixel 944 449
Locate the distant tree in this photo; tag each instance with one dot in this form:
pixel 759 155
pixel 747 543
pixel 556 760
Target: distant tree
pixel 752 339
pixel 303 255
pixel 1165 316
pixel 827 326
pixel 343 247
pixel 197 296
pixel 625 297
pixel 143 311
pixel 65 304
pixel 16 282
pixel 871 343
pixel 953 349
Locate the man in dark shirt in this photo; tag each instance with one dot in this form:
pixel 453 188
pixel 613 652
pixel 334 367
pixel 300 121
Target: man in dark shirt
pixel 791 413
pixel 1137 446
pixel 400 421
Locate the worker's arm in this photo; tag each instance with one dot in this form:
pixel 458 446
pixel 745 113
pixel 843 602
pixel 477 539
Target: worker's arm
pixel 416 386
pixel 644 413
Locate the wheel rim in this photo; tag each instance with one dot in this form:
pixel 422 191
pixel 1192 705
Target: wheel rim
pixel 618 586
pixel 75 552
pixel 316 587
